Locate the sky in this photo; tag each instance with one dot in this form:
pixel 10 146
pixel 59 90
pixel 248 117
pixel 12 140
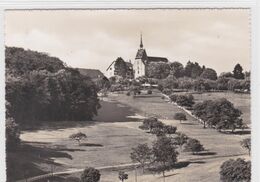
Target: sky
pixel 216 38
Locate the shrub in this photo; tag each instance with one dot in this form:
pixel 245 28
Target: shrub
pixel 185 100
pixel 78 136
pixel 167 91
pixel 90 174
pixel 122 176
pixel 194 146
pixel 173 97
pixel 235 170
pixel 246 143
pixel 149 91
pixel 180 116
pixel 128 93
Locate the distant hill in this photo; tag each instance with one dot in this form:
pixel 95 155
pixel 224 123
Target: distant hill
pixel 92 73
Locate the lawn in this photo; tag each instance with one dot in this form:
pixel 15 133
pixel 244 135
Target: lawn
pixel 115 131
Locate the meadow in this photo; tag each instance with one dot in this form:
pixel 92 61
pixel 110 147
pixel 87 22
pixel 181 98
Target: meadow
pixel 112 135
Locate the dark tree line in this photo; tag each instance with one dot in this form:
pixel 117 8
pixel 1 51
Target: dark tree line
pixel 40 87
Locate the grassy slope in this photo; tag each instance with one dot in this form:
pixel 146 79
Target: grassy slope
pixel 119 137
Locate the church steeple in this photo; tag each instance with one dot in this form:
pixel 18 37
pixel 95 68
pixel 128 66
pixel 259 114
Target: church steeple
pixel 141 42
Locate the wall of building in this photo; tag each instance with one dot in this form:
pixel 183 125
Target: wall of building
pixel 139 68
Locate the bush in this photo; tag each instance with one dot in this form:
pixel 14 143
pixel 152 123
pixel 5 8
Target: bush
pixel 235 170
pixel 128 93
pixel 246 143
pixel 180 116
pixel 167 91
pixel 149 91
pixel 90 174
pixel 194 146
pixel 185 100
pixel 173 97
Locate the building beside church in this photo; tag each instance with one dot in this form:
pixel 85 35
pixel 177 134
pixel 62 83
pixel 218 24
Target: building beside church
pixel 119 67
pixel 142 60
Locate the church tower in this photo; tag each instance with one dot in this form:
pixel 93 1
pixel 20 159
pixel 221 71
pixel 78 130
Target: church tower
pixel 140 60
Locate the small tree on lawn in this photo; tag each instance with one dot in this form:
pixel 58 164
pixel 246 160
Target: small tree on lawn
pixel 142 154
pixel 180 139
pixel 90 174
pixel 150 124
pixel 246 143
pixel 235 170
pixel 122 176
pixel 165 154
pixel 78 137
pixel 194 146
pixel 180 116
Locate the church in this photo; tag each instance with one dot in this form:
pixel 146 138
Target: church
pixel 138 68
pixel 142 60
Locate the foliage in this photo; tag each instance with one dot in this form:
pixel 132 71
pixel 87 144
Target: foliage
pixel 162 130
pixel 158 70
pixel 142 154
pixel 193 70
pixel 149 91
pixel 193 145
pixel 40 88
pixel 150 124
pixel 122 175
pixel 165 154
pixel 90 174
pixel 169 83
pixel 246 143
pixel 185 100
pixel 12 134
pixel 219 113
pixel 209 73
pixel 238 72
pixel 180 116
pixel 180 139
pixel 78 136
pixel 235 170
pixel 177 69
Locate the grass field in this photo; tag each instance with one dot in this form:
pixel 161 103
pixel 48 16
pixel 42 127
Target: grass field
pixel 115 132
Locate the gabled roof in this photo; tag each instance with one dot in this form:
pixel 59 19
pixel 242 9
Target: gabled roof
pixel 157 59
pixel 141 54
pixel 92 73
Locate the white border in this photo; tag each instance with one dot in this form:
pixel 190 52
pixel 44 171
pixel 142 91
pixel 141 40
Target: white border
pixel 108 4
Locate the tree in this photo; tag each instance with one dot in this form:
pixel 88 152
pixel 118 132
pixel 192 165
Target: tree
pixel 238 72
pixel 194 146
pixel 219 113
pixel 158 70
pixel 180 116
pixel 12 134
pixel 165 154
pixel 90 174
pixel 141 154
pixel 150 124
pixel 78 137
pixel 177 69
pixel 235 170
pixel 180 139
pixel 246 143
pixel 162 130
pixel 185 100
pixel 122 176
pixel 193 70
pixel 209 73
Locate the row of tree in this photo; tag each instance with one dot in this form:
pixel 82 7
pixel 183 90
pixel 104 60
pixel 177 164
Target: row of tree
pixel 192 70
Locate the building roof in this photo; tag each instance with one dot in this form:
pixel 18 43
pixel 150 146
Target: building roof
pixel 141 54
pixel 92 73
pixel 157 59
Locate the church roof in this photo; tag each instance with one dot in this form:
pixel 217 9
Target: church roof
pixel 157 59
pixel 141 54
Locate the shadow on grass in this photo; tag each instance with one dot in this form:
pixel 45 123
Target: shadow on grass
pixel 91 145
pixel 32 159
pixel 189 123
pixel 238 132
pixel 205 153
